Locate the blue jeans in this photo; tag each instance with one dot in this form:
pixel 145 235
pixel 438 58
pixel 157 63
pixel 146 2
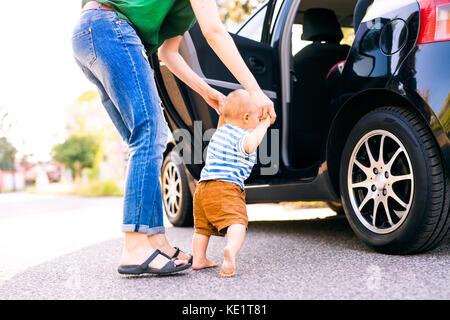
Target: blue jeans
pixel 112 56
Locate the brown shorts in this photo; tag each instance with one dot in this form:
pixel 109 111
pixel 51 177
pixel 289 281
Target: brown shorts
pixel 218 205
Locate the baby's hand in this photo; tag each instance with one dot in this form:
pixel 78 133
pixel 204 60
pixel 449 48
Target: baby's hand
pixel 252 140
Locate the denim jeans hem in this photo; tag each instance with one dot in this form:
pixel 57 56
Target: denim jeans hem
pixel 143 229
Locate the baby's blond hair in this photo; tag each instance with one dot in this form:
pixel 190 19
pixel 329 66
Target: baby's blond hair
pixel 236 104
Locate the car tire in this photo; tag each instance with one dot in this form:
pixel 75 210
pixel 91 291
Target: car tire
pixel 177 198
pixel 411 181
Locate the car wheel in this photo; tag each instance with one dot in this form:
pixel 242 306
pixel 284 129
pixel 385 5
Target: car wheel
pixel 393 183
pixel 177 198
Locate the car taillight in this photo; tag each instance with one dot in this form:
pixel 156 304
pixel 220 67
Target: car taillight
pixel 434 21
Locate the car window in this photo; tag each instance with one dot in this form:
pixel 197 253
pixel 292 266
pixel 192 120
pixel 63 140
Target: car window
pixel 349 36
pixel 298 44
pixel 253 27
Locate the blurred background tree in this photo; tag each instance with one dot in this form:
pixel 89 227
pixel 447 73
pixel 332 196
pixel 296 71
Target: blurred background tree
pixel 7 155
pixel 235 12
pixel 88 116
pixel 93 150
pixel 7 150
pixel 78 152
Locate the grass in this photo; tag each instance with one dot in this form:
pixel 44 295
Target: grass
pixel 108 188
pixel 93 188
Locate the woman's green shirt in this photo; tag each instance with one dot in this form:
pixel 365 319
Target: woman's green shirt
pixel 155 20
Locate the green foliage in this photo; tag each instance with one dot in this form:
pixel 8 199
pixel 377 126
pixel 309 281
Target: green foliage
pixel 109 188
pixel 7 150
pixel 7 154
pixel 237 11
pixel 78 152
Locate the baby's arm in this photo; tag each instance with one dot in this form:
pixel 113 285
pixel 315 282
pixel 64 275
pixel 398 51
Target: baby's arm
pixel 254 138
pixel 221 121
pixel 220 112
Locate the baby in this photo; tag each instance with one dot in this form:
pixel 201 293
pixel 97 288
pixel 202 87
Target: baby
pixel 219 200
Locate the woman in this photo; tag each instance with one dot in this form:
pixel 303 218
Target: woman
pixel 111 43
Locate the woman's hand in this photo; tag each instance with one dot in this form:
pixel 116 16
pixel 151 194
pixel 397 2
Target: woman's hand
pixel 264 104
pixel 168 53
pixel 223 45
pixel 214 98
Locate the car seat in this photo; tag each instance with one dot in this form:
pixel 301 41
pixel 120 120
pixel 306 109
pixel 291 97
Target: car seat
pixel 311 66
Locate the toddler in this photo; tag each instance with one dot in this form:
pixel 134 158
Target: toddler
pixel 219 199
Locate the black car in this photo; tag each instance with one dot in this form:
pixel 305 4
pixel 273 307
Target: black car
pixel 364 126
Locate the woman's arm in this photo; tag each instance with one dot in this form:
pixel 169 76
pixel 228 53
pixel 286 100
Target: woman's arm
pixel 223 45
pixel 168 53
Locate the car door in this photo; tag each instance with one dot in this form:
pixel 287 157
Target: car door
pixel 188 113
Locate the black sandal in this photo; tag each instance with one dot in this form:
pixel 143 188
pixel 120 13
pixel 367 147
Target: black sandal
pixel 177 252
pixel 144 268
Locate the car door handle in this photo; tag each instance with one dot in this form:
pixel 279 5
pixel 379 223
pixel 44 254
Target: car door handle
pixel 256 65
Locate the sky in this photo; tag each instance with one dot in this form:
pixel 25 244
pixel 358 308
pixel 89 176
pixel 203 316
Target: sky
pixel 39 79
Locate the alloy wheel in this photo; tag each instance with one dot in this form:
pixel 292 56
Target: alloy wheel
pixel 171 189
pixel 380 181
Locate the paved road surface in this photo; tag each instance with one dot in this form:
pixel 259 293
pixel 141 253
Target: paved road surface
pixel 55 247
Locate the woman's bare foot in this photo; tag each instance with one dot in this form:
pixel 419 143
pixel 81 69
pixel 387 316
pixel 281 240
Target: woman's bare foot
pixel 137 257
pixel 203 264
pixel 160 242
pixel 137 250
pixel 170 251
pixel 229 264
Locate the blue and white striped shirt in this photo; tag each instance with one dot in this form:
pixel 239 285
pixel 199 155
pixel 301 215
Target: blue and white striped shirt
pixel 226 159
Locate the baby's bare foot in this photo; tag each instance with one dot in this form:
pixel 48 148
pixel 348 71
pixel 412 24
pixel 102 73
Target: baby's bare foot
pixel 203 264
pixel 229 264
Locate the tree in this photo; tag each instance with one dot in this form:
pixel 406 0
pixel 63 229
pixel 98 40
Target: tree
pixel 7 155
pixel 237 11
pixel 7 150
pixel 77 152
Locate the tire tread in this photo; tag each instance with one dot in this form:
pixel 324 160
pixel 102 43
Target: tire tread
pixel 437 222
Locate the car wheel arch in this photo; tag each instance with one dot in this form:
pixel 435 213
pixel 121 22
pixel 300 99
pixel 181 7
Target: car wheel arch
pixel 169 147
pixel 191 181
pixel 348 115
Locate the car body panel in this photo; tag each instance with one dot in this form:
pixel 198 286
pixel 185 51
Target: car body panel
pixel 424 82
pixel 367 65
pixel 413 71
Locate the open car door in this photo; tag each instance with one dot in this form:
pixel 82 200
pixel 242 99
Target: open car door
pixel 185 109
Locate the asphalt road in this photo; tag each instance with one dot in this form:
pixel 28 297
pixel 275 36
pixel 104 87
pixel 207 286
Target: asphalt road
pixel 303 259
